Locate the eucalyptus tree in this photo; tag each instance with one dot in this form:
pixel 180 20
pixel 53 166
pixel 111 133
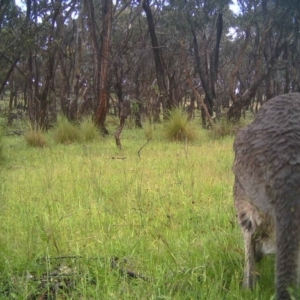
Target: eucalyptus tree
pixel 12 38
pixel 41 40
pixel 267 30
pixel 203 27
pixel 148 5
pixel 71 80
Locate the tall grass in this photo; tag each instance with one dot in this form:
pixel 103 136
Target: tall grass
pixel 35 137
pixel 224 127
pixel 65 132
pixel 2 155
pixel 166 218
pixel 178 127
pixel 88 130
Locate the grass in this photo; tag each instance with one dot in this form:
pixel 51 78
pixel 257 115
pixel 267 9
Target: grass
pixel 65 132
pixel 2 156
pixel 179 128
pixel 35 138
pixel 88 132
pixel 167 216
pixel 224 127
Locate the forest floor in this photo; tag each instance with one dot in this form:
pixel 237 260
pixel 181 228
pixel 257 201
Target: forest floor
pixel 90 221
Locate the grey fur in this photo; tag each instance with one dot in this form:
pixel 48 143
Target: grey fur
pixel 267 190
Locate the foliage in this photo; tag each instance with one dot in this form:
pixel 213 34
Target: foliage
pixel 65 132
pixel 87 130
pixel 62 72
pixel 224 128
pixel 178 127
pixel 35 137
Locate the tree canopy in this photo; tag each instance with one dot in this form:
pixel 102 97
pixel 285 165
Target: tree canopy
pixel 146 56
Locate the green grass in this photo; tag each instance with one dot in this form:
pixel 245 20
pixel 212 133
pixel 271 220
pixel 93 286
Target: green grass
pixel 88 132
pixel 167 215
pixel 65 132
pixel 35 138
pixel 178 127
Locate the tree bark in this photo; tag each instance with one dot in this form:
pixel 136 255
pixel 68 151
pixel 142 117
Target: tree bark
pixel 237 66
pixel 204 108
pixel 164 98
pixel 104 64
pixel 260 73
pixel 200 71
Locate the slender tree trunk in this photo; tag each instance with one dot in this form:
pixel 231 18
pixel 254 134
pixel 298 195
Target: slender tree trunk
pixel 204 109
pixel 91 22
pixel 164 98
pixel 2 86
pixel 73 111
pixel 215 56
pixel 200 70
pixel 104 63
pixel 237 66
pixel 234 112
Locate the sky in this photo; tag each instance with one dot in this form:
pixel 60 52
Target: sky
pixel 234 7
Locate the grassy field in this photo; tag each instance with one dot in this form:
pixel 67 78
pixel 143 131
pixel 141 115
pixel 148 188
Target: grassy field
pixel 89 221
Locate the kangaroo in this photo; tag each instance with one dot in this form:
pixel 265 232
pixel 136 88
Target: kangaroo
pixel 267 191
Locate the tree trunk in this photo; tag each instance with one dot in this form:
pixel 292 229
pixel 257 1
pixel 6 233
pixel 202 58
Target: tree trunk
pixel 164 98
pixel 215 56
pixel 104 62
pixel 234 112
pixel 124 111
pixel 209 98
pixel 237 66
pixel 76 80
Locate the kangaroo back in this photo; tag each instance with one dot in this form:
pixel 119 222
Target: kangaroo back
pixel 267 190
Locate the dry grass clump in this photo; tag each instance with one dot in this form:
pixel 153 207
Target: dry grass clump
pixel 88 130
pixel 224 127
pixel 65 132
pixel 35 137
pixel 148 130
pixel 179 128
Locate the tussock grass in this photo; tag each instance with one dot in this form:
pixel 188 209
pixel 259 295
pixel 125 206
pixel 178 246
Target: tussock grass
pixel 224 128
pixel 65 132
pixel 88 130
pixel 35 138
pixel 167 215
pixel 178 127
pixel 149 129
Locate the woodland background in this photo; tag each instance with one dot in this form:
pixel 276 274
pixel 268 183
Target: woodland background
pixel 82 219
pixel 145 57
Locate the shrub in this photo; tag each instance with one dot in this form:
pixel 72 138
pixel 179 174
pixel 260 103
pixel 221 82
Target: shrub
pixel 35 138
pixel 88 130
pixel 224 127
pixel 65 132
pixel 178 127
